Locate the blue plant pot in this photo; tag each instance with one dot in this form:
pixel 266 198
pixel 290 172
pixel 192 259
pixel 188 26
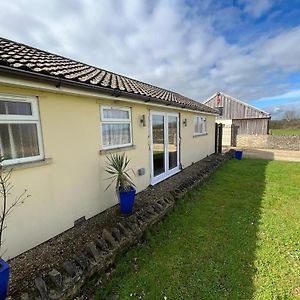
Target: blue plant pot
pixel 238 154
pixel 126 200
pixel 4 278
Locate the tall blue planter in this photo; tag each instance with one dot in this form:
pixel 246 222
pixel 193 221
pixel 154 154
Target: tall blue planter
pixel 126 200
pixel 238 154
pixel 4 278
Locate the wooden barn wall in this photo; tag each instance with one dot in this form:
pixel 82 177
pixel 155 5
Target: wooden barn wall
pixel 235 110
pixel 252 126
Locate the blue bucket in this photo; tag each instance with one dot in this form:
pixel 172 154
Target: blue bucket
pixel 4 278
pixel 238 154
pixel 127 201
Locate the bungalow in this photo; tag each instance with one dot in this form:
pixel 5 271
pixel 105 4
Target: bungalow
pixel 59 118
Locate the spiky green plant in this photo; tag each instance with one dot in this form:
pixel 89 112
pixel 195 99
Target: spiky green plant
pixel 117 167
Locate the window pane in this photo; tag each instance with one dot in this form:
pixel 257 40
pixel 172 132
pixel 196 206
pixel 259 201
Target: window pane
pixel 196 125
pixel 172 146
pixel 18 140
pixel 15 108
pixel 200 125
pixel 115 114
pixel 158 144
pixel 115 134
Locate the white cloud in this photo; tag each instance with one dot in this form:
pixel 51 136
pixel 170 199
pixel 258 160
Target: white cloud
pixel 163 42
pixel 292 95
pixel 284 50
pixel 257 8
pixel 277 111
pixel 279 104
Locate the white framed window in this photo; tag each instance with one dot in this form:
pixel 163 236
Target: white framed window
pixel 20 129
pixel 115 127
pixel 200 125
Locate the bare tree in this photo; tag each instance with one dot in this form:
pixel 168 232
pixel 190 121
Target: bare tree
pixel 290 115
pixel 5 192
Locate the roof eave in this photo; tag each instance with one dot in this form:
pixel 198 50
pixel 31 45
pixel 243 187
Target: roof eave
pixel 112 92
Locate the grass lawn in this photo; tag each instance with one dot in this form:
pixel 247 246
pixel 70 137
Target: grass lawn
pixel 287 131
pixel 236 237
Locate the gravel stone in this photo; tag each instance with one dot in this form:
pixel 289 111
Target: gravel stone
pixel 70 268
pixel 56 278
pixel 109 238
pixel 41 286
pixel 94 251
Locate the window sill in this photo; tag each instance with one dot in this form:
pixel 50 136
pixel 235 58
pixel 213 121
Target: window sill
pixel 199 134
pixel 31 164
pixel 119 149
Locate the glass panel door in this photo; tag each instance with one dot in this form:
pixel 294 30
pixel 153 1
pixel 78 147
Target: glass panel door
pixel 158 144
pixel 164 146
pixel 173 141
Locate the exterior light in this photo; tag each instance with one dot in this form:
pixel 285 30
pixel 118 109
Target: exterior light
pixel 143 120
pixel 184 122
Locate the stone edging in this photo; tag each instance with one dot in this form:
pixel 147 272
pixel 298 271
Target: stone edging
pixel 101 253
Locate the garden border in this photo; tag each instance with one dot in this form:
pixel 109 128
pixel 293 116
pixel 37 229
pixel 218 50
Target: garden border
pixel 102 253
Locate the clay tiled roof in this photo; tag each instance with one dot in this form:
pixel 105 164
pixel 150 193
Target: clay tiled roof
pixel 19 57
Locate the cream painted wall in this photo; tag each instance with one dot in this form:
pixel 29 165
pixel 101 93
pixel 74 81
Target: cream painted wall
pixel 226 135
pixel 73 185
pixel 195 147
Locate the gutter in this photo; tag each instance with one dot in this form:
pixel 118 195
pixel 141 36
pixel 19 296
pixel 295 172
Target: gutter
pixel 257 118
pixel 58 82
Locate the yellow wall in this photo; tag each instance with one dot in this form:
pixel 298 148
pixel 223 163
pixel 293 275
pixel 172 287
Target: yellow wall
pixel 73 185
pixel 196 147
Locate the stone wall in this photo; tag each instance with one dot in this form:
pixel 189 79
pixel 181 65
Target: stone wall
pixel 252 141
pixel 282 142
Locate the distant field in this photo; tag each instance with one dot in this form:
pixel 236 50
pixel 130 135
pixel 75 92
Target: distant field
pixel 286 131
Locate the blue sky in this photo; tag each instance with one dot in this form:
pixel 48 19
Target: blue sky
pixel 249 49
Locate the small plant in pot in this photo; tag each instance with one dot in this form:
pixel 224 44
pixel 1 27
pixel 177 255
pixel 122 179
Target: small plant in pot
pixel 117 167
pixel 6 207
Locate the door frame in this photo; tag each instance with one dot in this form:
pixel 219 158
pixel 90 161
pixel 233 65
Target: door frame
pixel 167 173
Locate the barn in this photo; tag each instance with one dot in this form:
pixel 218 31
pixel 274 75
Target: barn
pixel 238 117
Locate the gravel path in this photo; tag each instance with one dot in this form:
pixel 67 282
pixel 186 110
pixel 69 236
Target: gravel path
pixel 272 154
pixel 51 254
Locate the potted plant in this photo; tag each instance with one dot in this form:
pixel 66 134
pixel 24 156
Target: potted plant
pixel 117 167
pixel 6 208
pixel 4 278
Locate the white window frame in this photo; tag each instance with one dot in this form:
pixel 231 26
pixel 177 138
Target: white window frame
pixel 115 121
pixel 24 119
pixel 167 172
pixel 204 122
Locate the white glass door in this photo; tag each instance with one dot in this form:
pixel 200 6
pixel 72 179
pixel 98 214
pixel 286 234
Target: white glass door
pixel 164 145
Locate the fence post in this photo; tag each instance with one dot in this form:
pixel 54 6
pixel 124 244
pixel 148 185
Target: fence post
pixel 220 137
pixel 216 137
